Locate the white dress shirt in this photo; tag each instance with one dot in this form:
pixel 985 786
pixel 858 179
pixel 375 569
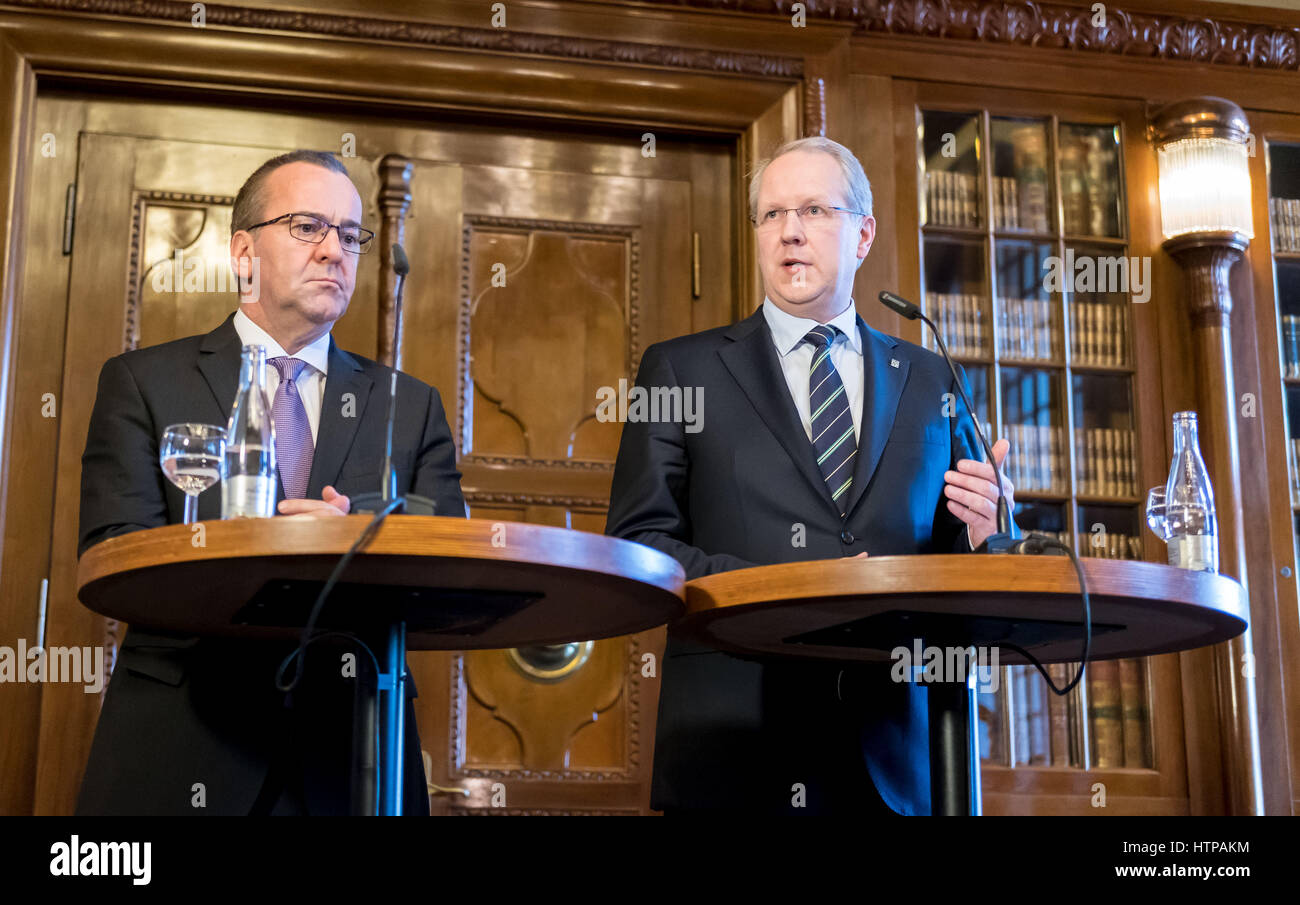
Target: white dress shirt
pixel 311 379
pixel 796 357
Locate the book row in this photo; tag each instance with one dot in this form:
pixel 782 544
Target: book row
pixel 1046 729
pixel 1036 463
pixel 1029 329
pixel 1098 334
pixel 951 198
pixel 960 318
pixel 1104 457
pixel 1102 544
pixel 1285 215
pixel 1290 346
pixel 1017 209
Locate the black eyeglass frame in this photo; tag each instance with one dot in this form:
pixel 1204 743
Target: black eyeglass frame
pixel 364 236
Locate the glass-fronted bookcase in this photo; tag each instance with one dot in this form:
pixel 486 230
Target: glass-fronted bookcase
pixel 1283 167
pixel 1026 262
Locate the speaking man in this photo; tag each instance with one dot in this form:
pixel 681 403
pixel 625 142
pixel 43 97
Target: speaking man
pixel 822 438
pixel 195 726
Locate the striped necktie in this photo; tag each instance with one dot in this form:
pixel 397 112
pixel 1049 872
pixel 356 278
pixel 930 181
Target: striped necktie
pixel 832 422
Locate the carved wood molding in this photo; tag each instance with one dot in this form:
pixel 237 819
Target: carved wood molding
pixel 536 499
pixel 526 462
pixel 814 107
pixel 501 40
pixel 394 203
pixel 134 276
pixel 1170 36
pixel 464 381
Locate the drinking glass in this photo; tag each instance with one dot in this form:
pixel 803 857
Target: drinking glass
pixel 191 456
pixel 1156 512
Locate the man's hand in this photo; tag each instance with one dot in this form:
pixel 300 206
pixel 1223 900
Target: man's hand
pixel 332 503
pixel 973 495
pixel 862 555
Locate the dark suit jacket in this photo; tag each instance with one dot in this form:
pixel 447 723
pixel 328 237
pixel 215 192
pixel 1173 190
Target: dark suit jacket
pixel 180 711
pixel 736 734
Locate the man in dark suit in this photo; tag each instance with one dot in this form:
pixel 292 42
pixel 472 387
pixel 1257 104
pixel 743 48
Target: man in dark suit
pixel 198 726
pixel 821 438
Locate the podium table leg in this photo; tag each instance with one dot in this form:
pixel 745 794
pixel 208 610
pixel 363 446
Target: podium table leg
pixel 392 690
pixel 954 752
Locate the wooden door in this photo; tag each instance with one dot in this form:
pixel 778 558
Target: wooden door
pixel 597 264
pixel 561 280
pixel 149 263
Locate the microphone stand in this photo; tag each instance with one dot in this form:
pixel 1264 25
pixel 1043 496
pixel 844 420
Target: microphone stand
pixel 388 785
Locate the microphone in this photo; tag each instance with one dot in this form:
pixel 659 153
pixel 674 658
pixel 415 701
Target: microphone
pixel 1003 541
pixel 410 503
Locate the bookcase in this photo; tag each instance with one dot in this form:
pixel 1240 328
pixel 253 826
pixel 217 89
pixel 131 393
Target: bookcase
pixel 1026 266
pixel 1275 261
pixel 1283 162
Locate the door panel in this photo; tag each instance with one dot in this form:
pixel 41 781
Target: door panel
pixel 565 278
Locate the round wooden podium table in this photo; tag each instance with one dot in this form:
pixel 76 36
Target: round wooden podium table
pixel 864 609
pixel 459 584
pixel 839 609
pixel 420 581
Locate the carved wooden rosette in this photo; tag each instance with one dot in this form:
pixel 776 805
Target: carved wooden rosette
pixel 1206 261
pixel 394 202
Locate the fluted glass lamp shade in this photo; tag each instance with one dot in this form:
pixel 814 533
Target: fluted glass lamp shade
pixel 1204 168
pixel 1204 187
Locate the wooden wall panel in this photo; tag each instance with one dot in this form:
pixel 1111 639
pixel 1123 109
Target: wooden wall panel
pixel 746 81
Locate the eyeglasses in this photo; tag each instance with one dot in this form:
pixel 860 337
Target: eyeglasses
pixel 309 228
pixel 809 215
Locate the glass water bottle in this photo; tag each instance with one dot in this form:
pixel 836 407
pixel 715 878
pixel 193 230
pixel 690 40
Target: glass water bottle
pixel 1190 523
pixel 248 476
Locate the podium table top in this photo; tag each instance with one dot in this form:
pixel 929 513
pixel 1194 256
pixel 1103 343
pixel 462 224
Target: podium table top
pixel 459 584
pixel 861 609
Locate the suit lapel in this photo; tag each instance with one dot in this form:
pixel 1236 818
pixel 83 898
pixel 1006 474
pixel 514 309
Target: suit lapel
pixel 219 359
pixel 340 416
pixel 751 359
pixel 881 391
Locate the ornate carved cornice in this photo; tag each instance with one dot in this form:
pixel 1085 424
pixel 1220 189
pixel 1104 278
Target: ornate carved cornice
pixel 1170 36
pixel 1162 35
pixel 446 36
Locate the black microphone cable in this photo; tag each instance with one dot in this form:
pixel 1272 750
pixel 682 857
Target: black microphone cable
pixel 1037 544
pixel 309 634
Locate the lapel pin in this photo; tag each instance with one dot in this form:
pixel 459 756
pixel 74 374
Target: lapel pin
pixel 893 362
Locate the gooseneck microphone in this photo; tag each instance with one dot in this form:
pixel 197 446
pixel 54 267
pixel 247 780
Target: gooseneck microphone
pixel 411 504
pixel 401 267
pixel 1002 541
